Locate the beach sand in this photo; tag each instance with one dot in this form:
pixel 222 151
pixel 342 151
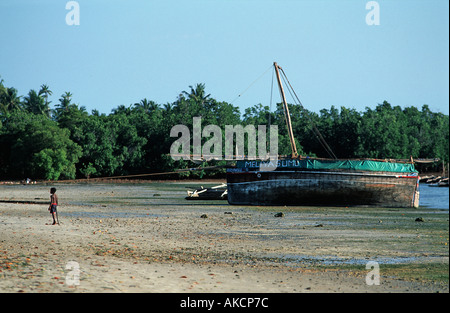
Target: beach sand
pixel 147 238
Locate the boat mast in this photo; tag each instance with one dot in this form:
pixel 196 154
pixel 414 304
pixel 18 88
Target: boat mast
pixel 286 113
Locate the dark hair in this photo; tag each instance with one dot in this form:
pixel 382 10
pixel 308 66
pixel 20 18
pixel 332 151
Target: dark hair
pixel 53 190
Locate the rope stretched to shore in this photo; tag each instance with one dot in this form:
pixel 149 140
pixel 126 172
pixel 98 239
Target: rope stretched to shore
pixel 138 175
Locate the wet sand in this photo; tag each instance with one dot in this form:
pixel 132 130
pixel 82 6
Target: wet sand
pixel 147 238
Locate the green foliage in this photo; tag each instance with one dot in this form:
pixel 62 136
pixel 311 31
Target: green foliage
pixel 35 146
pixel 390 132
pixel 88 170
pixel 51 163
pixel 68 142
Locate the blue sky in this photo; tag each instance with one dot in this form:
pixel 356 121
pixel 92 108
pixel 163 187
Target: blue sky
pixel 124 51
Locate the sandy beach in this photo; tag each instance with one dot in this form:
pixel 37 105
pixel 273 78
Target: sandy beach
pixel 147 238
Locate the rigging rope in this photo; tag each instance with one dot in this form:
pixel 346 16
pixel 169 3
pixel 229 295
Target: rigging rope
pixel 251 84
pixel 270 102
pixel 140 175
pixel 315 129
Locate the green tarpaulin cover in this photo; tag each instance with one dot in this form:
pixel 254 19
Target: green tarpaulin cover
pixel 360 165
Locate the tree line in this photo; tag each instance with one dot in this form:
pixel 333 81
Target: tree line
pixel 67 142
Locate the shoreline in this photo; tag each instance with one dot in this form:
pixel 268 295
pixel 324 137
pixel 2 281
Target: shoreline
pixel 147 238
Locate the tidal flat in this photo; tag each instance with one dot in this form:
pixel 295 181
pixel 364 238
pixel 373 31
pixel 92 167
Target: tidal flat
pixel 145 237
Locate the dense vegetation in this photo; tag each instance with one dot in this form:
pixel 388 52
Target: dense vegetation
pixel 67 142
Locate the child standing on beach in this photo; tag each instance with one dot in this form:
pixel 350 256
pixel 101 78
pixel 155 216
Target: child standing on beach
pixel 53 204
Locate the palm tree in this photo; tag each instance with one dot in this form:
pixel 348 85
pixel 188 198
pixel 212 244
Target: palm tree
pixel 64 101
pixel 168 107
pixel 10 99
pixel 2 89
pixel 197 94
pixel 146 105
pixel 63 105
pixel 153 106
pixel 45 92
pixel 34 103
pixel 122 109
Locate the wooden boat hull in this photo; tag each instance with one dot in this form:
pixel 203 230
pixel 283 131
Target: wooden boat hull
pixel 330 188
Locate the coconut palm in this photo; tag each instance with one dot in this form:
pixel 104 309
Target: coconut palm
pixel 64 101
pixel 122 109
pixel 146 105
pixel 45 92
pixel 63 105
pixel 9 99
pixel 198 94
pixel 36 104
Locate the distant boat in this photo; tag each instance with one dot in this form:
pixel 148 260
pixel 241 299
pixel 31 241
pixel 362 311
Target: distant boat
pixel 327 182
pixel 441 182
